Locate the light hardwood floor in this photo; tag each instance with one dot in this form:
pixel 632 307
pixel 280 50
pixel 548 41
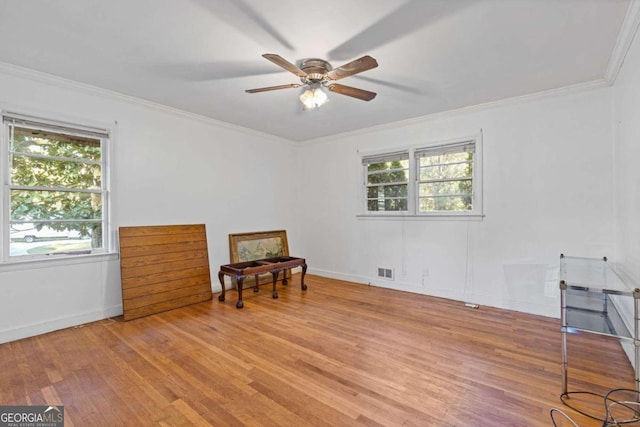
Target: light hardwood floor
pixel 338 354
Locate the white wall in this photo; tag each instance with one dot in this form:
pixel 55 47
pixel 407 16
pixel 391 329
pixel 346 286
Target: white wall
pixel 171 168
pixel 547 190
pixel 626 118
pixel 627 152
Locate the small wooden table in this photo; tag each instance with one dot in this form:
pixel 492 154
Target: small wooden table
pixel 274 265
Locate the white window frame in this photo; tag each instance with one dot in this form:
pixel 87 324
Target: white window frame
pixel 476 212
pixel 385 157
pixel 106 136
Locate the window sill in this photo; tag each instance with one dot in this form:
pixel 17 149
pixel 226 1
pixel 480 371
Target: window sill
pixel 423 217
pixel 55 261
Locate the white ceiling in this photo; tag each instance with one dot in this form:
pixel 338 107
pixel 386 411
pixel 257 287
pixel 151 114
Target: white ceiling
pixel 200 55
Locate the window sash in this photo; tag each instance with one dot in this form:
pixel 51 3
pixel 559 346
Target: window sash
pixel 382 200
pixel 435 194
pixel 21 120
pixel 464 147
pixel 388 157
pixel 99 217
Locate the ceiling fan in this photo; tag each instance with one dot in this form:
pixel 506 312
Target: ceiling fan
pixel 318 73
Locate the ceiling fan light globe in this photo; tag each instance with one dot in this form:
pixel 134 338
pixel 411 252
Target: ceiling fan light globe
pixel 313 98
pixel 306 97
pixel 320 97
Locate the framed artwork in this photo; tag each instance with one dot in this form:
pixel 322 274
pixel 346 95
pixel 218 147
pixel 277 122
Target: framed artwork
pixel 258 245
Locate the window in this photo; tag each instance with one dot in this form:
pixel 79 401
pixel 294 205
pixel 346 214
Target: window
pixel 445 178
pixel 436 180
pixel 387 182
pixel 56 194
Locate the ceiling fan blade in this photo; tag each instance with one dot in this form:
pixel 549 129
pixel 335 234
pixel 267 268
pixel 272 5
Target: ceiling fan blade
pixel 281 62
pixel 265 89
pixel 353 92
pixel 354 67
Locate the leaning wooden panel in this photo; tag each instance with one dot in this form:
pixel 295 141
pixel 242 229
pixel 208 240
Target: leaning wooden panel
pixel 163 267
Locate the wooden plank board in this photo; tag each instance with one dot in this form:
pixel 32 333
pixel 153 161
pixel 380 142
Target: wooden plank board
pixel 161 287
pixel 163 267
pixel 161 249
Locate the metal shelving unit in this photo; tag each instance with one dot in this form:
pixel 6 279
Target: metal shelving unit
pixel 586 288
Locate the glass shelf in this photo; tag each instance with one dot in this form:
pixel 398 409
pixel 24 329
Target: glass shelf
pixel 592 274
pixel 587 286
pixel 609 323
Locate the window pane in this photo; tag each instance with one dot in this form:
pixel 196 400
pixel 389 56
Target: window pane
pixel 372 205
pixel 452 203
pixel 395 191
pixel 388 204
pixel 53 144
pixel 444 188
pixel 52 238
pixel 387 198
pixel 43 172
pixel 391 176
pixel 396 164
pixel 455 170
pixel 395 205
pixel 372 192
pixel 27 205
pixel 446 158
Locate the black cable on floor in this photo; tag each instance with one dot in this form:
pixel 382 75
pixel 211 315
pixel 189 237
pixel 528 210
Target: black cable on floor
pixel 608 420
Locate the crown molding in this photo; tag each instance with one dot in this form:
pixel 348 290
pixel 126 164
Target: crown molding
pixel 38 76
pixel 61 82
pixel 623 43
pixel 561 91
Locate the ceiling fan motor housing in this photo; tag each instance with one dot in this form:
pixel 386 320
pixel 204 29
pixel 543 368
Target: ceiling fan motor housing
pixel 316 70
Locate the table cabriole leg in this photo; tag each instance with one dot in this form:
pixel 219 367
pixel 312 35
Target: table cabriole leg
pixel 221 279
pixel 275 279
pixel 239 280
pixel 256 278
pixel 304 271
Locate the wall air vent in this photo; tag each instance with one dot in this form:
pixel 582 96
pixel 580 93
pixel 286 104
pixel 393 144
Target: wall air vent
pixel 385 273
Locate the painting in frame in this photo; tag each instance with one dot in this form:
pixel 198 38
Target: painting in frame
pixel 258 245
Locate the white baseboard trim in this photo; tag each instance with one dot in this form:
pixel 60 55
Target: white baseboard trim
pixel 338 276
pixel 21 332
pixel 383 283
pixel 455 295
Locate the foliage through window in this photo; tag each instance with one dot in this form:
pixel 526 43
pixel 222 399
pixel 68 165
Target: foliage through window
pixel 435 180
pixel 56 188
pixel 387 182
pixel 445 178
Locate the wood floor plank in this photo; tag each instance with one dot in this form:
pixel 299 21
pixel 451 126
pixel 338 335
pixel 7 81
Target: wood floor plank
pixel 337 354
